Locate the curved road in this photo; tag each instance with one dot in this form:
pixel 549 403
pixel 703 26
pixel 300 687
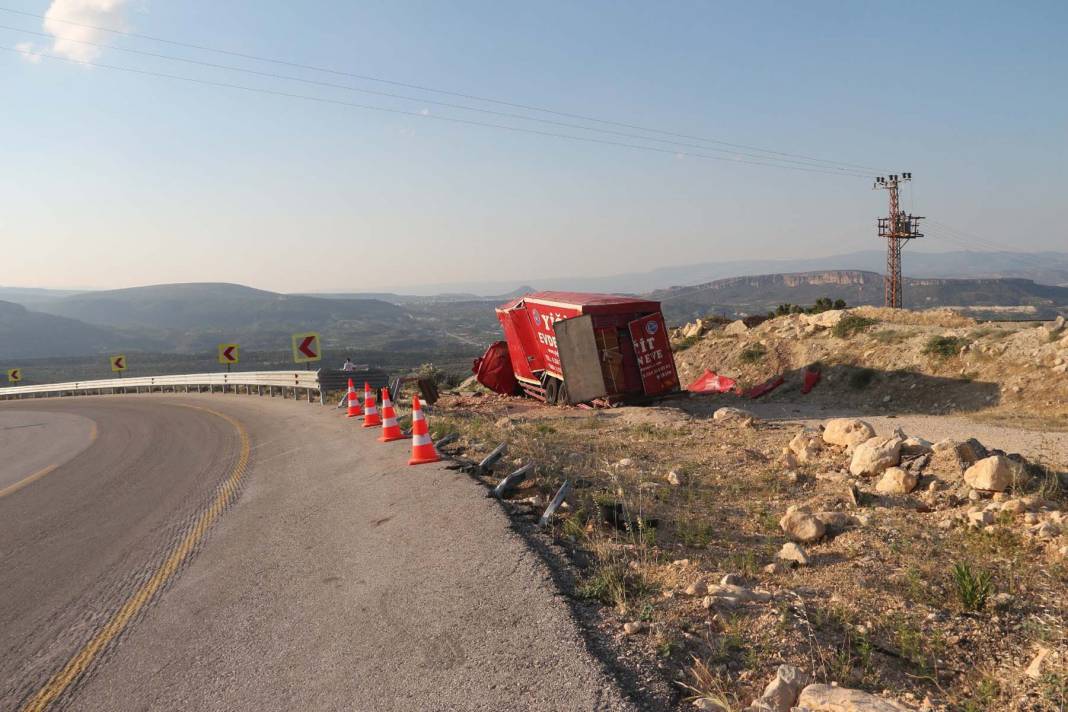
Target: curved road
pixel 240 553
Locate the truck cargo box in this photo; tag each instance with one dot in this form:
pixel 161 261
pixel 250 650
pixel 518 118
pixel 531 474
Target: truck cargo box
pixel 575 347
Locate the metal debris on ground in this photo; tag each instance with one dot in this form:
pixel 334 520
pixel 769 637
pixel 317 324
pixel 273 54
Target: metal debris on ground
pixel 561 494
pixel 512 481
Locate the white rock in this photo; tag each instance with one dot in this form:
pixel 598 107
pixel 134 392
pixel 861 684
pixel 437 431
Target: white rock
pixel 806 445
pixel 802 526
pixel 727 413
pixel 676 478
pixel 697 588
pixel 708 705
pixel 824 320
pixel 792 552
pixel 873 456
pixel 781 693
pixel 634 627
pixel 993 474
pixel 1034 670
pixel 736 327
pixel 981 518
pixel 1014 506
pixel 896 481
pixel 825 698
pixel 847 432
pixel 625 462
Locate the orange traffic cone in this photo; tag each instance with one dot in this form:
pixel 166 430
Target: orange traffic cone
pixel 371 418
pixel 390 430
pixel 423 449
pixel 354 402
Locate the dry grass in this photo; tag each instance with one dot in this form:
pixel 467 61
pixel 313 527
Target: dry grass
pixel 878 608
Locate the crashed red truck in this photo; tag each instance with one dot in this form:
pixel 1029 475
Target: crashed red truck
pixel 571 347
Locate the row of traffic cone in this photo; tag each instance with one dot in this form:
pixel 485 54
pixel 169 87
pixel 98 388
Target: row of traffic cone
pixel 423 450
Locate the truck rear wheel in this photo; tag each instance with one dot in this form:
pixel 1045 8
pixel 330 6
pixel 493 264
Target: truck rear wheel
pixel 555 391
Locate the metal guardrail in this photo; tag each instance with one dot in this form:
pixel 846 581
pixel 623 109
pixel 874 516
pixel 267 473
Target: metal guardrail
pixel 283 381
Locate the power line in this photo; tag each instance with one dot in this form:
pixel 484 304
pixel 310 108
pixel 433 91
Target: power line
pixel 332 85
pixel 419 87
pixel 417 114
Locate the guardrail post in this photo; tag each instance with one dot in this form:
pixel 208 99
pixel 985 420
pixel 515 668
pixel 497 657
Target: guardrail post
pixel 561 494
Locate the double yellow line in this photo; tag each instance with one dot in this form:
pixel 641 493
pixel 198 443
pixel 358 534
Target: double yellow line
pixel 84 658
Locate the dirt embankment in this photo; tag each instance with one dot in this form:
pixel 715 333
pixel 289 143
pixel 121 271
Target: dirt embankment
pixel 896 361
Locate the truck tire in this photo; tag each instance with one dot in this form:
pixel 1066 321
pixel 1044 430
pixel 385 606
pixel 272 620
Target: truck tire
pixel 555 391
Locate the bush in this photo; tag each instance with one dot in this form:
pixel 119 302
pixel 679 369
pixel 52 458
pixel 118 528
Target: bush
pixel 973 588
pixel 851 324
pixel 753 353
pixel 944 346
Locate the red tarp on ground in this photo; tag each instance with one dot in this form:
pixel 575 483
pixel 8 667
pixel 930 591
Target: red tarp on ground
pixel 764 388
pixel 812 377
pixel 710 382
pixel 494 369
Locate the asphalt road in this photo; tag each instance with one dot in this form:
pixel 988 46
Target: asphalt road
pixel 241 553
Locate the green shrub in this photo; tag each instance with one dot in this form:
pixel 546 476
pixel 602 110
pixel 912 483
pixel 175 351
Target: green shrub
pixel 944 346
pixel 851 324
pixel 973 588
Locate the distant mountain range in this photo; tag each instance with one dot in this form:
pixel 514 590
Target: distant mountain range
pixel 761 293
pixel 193 318
pixel 1042 267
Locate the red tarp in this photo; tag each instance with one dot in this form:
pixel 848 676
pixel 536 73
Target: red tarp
pixel 710 382
pixel 764 388
pixel 494 369
pixel 812 377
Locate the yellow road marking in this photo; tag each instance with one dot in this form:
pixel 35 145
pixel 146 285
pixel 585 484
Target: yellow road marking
pixel 27 480
pixel 84 658
pixel 11 489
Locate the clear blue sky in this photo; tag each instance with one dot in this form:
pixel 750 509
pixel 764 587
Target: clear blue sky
pixel 111 179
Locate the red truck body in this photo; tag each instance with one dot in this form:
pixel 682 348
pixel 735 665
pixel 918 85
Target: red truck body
pixel 631 340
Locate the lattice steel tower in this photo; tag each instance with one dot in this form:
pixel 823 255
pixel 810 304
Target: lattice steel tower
pixel 898 228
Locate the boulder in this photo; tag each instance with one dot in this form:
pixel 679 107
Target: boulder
pixel 793 553
pixel 801 526
pixel 806 445
pixel 847 432
pixel 896 481
pixel 824 320
pixel 728 414
pixel 695 328
pixel 825 698
pixel 873 456
pixel 992 474
pixel 736 327
pixel 955 455
pixel 781 693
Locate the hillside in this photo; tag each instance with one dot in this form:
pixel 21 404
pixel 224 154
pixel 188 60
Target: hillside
pixel 761 293
pixel 193 318
pixel 27 334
